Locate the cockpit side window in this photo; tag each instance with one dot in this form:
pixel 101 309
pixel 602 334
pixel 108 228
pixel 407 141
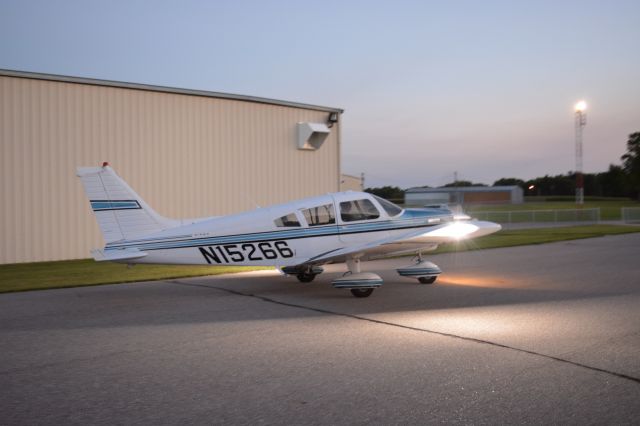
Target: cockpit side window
pixel 320 215
pixel 364 209
pixel 287 221
pixel 391 209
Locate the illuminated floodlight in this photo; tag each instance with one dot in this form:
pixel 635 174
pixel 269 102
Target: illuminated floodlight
pixel 580 119
pixel 581 106
pixel 456 230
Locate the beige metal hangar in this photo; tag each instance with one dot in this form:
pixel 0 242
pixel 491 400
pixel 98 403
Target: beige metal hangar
pixel 351 183
pixel 188 153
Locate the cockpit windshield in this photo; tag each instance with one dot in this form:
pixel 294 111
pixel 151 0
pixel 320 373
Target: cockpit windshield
pixel 391 209
pixel 364 209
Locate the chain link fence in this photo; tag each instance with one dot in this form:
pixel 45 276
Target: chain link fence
pixel 630 214
pixel 541 216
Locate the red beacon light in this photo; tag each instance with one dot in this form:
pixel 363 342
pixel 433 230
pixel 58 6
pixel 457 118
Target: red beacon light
pixel 105 164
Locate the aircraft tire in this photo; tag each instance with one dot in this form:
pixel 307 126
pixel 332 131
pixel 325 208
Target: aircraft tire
pixel 306 278
pixel 427 280
pixel 361 292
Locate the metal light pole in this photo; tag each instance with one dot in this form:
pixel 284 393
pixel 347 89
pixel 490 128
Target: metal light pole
pixel 580 122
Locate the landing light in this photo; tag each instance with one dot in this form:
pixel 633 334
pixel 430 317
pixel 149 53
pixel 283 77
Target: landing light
pixel 455 230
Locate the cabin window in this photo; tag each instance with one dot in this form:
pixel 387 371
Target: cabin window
pixel 388 206
pixel 287 221
pixel 364 209
pixel 321 215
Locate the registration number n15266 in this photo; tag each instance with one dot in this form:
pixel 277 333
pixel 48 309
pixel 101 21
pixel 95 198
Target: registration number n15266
pixel 236 253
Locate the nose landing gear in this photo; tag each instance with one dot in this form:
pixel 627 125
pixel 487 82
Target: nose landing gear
pixel 427 280
pixel 426 272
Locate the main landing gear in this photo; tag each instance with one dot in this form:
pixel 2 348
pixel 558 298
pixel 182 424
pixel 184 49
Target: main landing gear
pixel 304 275
pixel 360 283
pixel 361 292
pixel 309 274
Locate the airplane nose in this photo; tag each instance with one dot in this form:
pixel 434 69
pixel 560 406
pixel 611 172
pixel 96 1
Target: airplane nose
pixel 486 228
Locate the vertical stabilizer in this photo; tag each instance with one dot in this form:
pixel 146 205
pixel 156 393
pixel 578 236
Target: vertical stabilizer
pixel 120 212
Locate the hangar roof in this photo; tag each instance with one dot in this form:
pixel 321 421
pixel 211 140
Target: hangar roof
pixel 152 88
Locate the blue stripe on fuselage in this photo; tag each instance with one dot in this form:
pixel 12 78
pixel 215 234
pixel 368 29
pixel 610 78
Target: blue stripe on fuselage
pixel 409 219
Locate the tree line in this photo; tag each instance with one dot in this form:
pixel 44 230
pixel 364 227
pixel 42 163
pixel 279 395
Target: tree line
pixel 619 181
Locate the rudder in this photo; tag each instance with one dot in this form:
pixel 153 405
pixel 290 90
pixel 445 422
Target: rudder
pixel 120 212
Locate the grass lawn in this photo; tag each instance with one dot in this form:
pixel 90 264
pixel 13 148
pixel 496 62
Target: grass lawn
pixel 609 209
pixel 520 237
pixel 75 273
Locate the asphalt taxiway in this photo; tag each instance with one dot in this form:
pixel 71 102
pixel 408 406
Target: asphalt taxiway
pixel 537 334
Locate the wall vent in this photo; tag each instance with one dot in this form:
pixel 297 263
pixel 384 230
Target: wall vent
pixel 311 136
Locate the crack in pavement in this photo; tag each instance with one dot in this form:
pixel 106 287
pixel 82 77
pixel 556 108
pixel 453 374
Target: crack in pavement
pixel 407 327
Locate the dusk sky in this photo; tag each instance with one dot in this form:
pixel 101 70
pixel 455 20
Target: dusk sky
pixel 484 88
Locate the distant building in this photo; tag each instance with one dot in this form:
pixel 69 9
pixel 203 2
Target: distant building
pixel 464 195
pixel 350 183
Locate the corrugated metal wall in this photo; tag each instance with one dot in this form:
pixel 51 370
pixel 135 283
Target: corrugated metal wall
pixel 350 183
pixel 187 156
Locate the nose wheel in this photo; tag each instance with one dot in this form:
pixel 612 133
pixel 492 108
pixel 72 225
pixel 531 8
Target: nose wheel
pixel 425 272
pixel 427 280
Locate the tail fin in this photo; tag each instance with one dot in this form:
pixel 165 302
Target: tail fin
pixel 120 212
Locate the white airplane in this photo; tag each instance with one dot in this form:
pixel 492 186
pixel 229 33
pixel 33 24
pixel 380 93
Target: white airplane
pixel 296 237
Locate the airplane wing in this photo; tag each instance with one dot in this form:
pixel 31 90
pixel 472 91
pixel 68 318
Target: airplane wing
pixel 410 241
pixel 371 247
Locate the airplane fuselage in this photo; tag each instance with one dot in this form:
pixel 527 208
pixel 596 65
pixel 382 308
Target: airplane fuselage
pixel 296 237
pixel 254 238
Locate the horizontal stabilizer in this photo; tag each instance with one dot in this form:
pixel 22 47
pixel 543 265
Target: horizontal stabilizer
pixel 117 255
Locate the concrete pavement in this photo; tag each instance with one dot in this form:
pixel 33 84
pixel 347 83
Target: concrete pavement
pixel 538 334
